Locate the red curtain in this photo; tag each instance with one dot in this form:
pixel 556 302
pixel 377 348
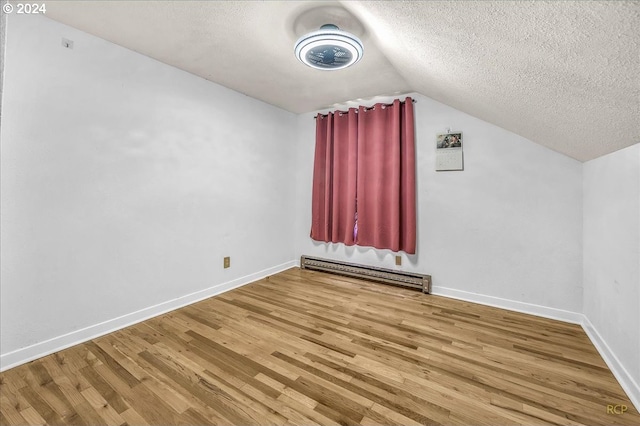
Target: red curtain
pixel 365 163
pixel 333 202
pixel 386 177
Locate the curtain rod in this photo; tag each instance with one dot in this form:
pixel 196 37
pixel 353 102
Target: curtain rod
pixel 365 108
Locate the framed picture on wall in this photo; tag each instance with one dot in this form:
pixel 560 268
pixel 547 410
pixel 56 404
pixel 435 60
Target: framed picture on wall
pixel 449 140
pixel 449 151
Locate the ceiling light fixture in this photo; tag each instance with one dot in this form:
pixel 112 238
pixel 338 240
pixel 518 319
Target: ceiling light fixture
pixel 329 49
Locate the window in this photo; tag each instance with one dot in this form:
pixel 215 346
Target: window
pixel 364 177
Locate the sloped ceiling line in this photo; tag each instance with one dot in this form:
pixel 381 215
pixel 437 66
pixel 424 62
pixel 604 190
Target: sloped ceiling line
pixel 563 74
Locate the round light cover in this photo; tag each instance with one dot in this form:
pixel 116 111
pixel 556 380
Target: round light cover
pixel 330 48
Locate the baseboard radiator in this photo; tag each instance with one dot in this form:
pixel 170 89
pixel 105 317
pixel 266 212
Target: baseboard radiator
pixel 387 276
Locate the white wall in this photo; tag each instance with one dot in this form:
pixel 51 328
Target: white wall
pixel 612 258
pixel 3 37
pixel 507 227
pixel 124 183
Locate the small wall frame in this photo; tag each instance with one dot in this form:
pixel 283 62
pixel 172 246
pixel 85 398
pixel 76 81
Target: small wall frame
pixel 449 151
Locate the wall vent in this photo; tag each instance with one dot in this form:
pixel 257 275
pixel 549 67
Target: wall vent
pixel 387 276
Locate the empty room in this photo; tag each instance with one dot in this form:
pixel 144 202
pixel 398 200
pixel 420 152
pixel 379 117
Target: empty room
pixel 320 212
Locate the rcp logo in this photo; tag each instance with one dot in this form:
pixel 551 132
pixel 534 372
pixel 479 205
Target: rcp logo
pixel 616 409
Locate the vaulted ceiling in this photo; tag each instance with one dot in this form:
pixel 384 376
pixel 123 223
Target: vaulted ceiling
pixel 563 74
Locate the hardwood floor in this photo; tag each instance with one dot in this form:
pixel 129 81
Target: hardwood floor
pixel 308 348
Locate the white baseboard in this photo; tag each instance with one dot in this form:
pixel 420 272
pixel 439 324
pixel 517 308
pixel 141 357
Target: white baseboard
pixel 511 305
pixel 47 347
pixel 629 385
pixel 38 350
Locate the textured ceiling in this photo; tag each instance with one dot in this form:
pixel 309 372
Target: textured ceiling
pixel 563 74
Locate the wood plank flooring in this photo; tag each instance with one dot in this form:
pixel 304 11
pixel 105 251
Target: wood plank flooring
pixel 304 348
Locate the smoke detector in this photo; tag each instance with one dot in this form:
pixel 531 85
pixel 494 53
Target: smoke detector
pixel 329 48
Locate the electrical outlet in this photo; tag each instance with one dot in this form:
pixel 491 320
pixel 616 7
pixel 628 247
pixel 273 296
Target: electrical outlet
pixel 398 260
pixel 227 262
